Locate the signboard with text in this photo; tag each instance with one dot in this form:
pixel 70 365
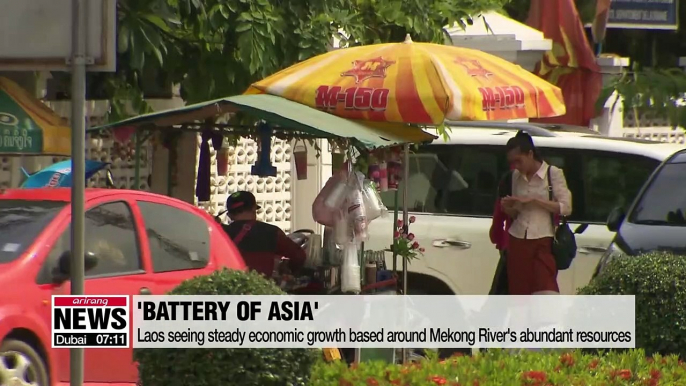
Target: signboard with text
pixel 644 14
pixel 36 35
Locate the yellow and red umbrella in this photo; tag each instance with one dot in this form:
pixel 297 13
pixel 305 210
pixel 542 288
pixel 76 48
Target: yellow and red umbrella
pixel 418 83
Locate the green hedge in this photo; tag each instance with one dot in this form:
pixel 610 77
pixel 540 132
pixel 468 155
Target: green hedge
pixel 225 367
pixel 659 282
pixel 502 368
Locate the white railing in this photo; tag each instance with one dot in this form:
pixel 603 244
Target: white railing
pixel 660 134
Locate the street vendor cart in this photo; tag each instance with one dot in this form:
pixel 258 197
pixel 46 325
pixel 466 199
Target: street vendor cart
pixel 366 97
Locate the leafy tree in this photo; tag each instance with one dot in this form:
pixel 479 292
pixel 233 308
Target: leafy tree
pixel 215 48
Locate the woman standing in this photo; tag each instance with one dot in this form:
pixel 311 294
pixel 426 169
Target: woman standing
pixel 531 267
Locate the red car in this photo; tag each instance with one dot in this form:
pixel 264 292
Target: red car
pixel 136 242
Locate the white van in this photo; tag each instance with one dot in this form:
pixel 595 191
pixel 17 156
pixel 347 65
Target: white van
pixel 453 188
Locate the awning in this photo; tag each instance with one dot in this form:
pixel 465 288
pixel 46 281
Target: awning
pixel 28 127
pixel 284 113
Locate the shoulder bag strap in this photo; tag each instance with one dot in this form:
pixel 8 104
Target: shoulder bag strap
pixel 551 198
pixel 244 231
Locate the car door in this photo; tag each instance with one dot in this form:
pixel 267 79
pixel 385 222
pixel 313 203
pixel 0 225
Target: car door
pixel 599 181
pixel 179 242
pixel 568 161
pixel 610 180
pixel 111 234
pixel 452 190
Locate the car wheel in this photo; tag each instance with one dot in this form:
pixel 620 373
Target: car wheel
pixel 21 365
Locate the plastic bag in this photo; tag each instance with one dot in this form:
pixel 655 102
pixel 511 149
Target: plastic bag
pixel 322 211
pixel 342 231
pixel 374 207
pixel 350 270
pixel 357 211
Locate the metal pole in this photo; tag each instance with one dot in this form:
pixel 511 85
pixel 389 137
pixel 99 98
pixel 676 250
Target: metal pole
pixel 78 167
pixel 406 222
pixel 395 222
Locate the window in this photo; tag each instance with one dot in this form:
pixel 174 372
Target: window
pixel 453 179
pixel 109 234
pixel 664 201
pixel 179 240
pixel 569 161
pixel 21 222
pixel 612 180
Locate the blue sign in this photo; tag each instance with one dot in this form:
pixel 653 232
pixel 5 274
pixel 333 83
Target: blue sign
pixel 644 14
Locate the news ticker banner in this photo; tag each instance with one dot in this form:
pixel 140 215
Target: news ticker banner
pixel 345 321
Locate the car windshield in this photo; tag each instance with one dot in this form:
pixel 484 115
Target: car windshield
pixel 21 221
pixel 664 202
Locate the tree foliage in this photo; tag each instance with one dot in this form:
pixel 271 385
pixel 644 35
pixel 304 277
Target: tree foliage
pixel 651 93
pixel 216 48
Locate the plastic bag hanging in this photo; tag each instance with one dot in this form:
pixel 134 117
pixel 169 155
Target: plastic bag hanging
pixel 327 206
pixel 300 159
pixel 372 201
pixel 343 233
pixel 357 211
pixel 350 271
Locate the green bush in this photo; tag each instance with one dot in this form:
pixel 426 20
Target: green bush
pixel 501 368
pixel 658 280
pixel 225 367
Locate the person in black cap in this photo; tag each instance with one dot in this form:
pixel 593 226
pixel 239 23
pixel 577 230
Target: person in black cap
pixel 261 244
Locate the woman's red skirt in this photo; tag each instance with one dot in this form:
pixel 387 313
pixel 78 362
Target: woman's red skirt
pixel 531 266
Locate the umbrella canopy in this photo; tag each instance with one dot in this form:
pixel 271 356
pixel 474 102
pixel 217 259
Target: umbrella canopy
pixel 418 83
pixel 27 126
pixel 59 175
pixel 287 114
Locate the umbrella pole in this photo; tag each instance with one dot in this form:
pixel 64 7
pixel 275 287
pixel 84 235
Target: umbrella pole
pixel 395 222
pixel 78 168
pixel 406 222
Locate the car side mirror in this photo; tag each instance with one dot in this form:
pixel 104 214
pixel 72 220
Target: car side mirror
pixel 615 218
pixel 581 229
pixel 62 272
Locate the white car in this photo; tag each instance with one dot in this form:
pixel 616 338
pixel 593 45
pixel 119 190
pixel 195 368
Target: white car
pixel 453 188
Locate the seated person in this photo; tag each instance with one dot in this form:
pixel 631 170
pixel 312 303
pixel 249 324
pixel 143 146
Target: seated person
pixel 260 243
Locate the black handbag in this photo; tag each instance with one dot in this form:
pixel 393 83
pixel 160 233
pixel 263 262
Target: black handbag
pixel 564 241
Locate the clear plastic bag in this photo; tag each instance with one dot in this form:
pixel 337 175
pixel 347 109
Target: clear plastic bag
pixel 357 210
pixel 322 210
pixel 350 270
pixel 342 231
pixel 372 201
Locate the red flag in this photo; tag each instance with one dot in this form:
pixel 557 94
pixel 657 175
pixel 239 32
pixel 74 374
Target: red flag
pixel 571 64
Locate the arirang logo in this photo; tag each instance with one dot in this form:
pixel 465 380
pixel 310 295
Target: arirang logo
pixel 8 119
